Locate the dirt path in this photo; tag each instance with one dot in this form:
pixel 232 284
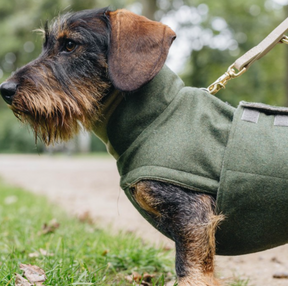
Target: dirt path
pixel 91 185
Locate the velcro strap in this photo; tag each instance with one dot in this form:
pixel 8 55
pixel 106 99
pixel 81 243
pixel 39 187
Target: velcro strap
pixel 281 120
pixel 250 115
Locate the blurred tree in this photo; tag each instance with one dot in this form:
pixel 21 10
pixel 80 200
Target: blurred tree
pixel 15 137
pixel 211 35
pixel 19 45
pixel 219 32
pixel 149 8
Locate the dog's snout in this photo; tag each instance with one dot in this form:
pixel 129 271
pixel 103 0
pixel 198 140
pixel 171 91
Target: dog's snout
pixel 8 90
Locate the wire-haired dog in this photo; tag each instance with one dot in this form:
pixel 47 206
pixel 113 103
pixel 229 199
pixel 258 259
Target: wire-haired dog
pixel 174 145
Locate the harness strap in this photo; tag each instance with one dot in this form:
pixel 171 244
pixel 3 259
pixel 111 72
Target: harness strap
pixel 245 61
pixel 263 47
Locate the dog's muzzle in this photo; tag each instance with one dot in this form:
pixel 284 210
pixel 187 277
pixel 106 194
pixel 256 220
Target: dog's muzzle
pixel 8 90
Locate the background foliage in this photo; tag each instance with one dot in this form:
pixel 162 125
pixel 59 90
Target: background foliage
pixel 211 36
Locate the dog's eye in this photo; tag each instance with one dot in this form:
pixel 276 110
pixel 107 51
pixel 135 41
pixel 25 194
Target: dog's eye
pixel 70 46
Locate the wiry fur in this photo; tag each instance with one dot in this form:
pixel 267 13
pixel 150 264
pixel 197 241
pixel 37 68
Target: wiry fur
pixel 189 219
pixel 64 88
pixel 57 91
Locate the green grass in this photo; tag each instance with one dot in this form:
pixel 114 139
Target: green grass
pixel 240 282
pixel 81 254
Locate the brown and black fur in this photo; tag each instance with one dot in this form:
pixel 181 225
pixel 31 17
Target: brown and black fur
pixel 57 91
pixel 86 57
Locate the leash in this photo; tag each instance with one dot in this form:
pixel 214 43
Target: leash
pixel 244 62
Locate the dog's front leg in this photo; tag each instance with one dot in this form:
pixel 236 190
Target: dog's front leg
pixel 188 218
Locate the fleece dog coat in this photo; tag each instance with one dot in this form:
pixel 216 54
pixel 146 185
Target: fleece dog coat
pixel 187 137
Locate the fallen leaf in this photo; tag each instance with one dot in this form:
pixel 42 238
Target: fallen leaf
pixel 142 280
pixel 20 281
pixel 33 255
pixel 33 273
pixel 86 217
pixel 281 275
pixel 276 260
pixel 50 227
pixel 45 252
pixel 105 252
pixel 129 278
pixel 147 277
pixel 42 252
pixel 133 277
pixel 136 276
pixel 168 248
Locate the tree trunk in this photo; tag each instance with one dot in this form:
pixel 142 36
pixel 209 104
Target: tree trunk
pixel 149 8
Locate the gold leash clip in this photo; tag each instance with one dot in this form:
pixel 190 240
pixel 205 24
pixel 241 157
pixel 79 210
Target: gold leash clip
pixel 231 73
pixel 222 80
pixel 284 40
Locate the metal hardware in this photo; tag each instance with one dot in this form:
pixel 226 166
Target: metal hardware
pixel 222 80
pixel 284 40
pixel 231 73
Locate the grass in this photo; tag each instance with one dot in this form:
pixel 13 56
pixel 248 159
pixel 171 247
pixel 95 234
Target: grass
pixel 76 253
pixel 240 282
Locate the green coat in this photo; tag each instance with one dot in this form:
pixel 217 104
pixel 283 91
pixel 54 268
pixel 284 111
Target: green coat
pixel 187 137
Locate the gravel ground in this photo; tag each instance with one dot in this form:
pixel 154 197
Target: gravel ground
pixel 90 185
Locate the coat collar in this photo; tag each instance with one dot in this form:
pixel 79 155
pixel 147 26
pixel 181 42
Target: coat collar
pixel 100 126
pixel 125 115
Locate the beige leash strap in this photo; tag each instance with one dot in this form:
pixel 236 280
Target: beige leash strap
pixel 245 61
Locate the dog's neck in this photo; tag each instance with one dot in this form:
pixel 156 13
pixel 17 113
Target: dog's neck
pixel 109 105
pixel 125 115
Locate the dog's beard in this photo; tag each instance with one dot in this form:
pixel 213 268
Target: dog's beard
pixel 57 116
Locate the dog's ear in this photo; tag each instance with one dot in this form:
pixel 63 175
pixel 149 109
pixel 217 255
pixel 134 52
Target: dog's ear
pixel 138 49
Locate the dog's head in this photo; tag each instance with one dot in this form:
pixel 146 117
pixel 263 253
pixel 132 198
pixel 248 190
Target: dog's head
pixel 85 55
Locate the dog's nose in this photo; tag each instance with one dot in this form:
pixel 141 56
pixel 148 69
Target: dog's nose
pixel 8 90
